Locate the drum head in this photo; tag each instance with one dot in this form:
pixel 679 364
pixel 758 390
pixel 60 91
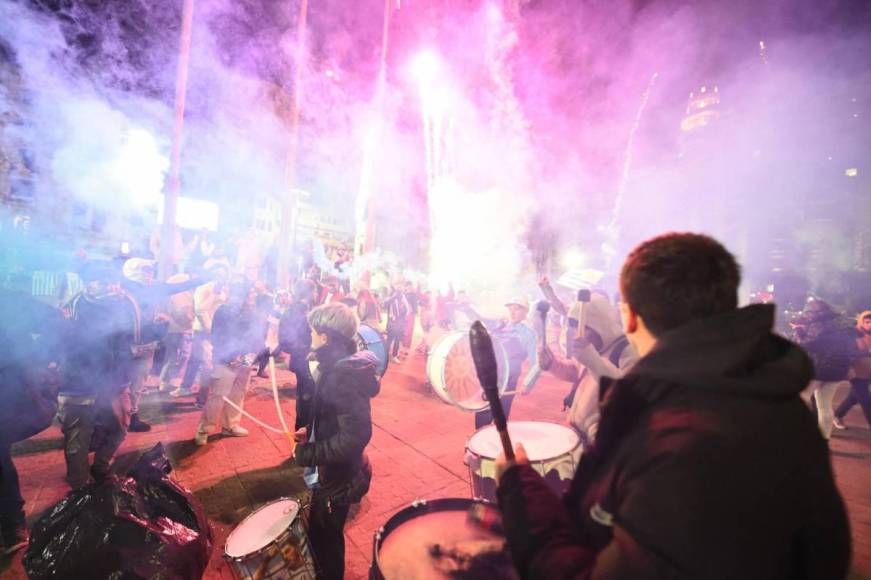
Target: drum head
pixel 437 541
pixel 451 371
pixel 261 528
pixel 542 441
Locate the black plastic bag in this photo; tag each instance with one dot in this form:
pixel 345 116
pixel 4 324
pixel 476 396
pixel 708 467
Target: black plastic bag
pixel 144 525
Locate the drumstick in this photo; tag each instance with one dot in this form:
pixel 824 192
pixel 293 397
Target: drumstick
pixel 287 432
pixel 485 367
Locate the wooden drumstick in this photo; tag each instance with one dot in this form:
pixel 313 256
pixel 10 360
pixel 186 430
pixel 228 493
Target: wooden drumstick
pixel 485 367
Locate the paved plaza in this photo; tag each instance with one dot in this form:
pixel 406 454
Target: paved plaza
pixel 416 451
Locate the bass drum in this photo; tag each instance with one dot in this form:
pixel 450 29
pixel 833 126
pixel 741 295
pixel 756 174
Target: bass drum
pixel 371 339
pixel 451 371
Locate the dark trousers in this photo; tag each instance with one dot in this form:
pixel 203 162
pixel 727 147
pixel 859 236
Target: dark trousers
pixel 101 426
pixel 11 502
pixel 395 332
pixel 305 388
pixel 485 417
pixel 326 532
pixel 858 394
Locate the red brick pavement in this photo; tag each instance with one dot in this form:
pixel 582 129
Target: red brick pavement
pixel 416 452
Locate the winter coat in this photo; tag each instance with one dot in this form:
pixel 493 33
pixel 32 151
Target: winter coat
pixel 294 333
pixel 861 367
pixel 99 357
pixel 234 334
pixel 31 336
pixel 707 465
pixel 342 423
pixel 833 350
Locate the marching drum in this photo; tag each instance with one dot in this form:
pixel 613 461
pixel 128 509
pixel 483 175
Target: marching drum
pixel 369 338
pixel 554 451
pixel 442 538
pixel 451 371
pixel 271 544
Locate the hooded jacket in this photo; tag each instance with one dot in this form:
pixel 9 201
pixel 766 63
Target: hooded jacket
pixel 707 465
pixel 342 422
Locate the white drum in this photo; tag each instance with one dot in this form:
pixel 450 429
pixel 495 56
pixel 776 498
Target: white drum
pixel 271 544
pixel 554 451
pixel 451 371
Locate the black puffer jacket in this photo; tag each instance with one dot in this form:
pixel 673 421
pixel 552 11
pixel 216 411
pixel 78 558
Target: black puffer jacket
pixel 342 422
pixel 833 351
pixel 707 465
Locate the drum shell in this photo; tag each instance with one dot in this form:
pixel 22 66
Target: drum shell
pixel 371 339
pixel 269 560
pixel 417 509
pixel 437 367
pixel 557 470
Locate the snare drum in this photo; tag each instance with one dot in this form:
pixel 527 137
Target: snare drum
pixel 438 540
pixel 271 544
pixel 451 371
pixel 554 451
pixel 369 338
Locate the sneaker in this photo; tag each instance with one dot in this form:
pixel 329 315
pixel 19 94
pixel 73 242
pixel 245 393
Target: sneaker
pixel 397 360
pixel 235 431
pixel 838 423
pixel 137 425
pixel 201 438
pixel 179 392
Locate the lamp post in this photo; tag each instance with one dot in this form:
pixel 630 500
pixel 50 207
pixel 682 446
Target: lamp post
pixel 172 186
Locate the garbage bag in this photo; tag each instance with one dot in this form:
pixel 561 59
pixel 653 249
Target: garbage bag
pixel 144 525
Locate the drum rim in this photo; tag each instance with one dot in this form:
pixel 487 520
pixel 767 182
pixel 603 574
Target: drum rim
pixel 501 360
pixel 492 426
pixel 382 366
pixel 260 550
pixel 417 508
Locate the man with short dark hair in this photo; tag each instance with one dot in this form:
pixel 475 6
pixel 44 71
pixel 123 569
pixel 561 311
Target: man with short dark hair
pixel 707 463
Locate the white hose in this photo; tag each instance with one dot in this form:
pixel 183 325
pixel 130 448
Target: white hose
pixel 250 416
pixel 275 395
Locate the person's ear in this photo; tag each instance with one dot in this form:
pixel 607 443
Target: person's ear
pixel 629 318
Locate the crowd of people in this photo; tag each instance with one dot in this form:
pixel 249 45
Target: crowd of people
pixel 698 446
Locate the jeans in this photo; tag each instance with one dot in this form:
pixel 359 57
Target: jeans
pixel 101 425
pixel 11 502
pixel 231 382
pixel 178 346
pixel 326 532
pixel 305 387
pixel 141 370
pixel 823 392
pixel 395 333
pixel 858 394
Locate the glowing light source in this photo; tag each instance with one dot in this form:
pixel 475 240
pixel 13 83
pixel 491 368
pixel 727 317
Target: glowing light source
pixel 572 259
pixel 852 172
pixel 195 214
pixel 425 67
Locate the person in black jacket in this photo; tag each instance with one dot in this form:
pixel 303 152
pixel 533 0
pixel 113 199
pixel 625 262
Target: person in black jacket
pixel 235 336
pixel 31 335
pixel 832 350
pixel 707 463
pixel 97 372
pixel 294 338
pixel 332 445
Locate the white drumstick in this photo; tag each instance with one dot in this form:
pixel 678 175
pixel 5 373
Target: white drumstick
pixel 252 417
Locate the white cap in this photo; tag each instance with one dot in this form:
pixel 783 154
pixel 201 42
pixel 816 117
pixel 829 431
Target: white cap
pixel 522 301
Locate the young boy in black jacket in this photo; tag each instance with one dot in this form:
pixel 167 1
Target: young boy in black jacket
pixel 332 445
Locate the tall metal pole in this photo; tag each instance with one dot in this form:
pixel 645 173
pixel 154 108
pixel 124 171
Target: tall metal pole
pixel 173 184
pixel 290 201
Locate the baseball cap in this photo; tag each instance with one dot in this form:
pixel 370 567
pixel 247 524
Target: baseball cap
pixel 522 301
